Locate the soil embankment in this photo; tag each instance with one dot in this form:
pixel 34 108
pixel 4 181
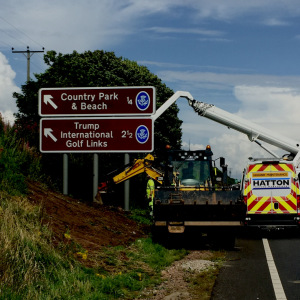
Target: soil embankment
pixel 92 226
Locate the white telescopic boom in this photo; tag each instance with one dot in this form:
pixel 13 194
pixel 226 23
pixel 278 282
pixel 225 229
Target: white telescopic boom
pixel 170 101
pixel 253 131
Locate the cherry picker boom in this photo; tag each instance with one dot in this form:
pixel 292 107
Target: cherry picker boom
pixel 270 186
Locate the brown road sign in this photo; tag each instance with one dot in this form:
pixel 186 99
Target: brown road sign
pixel 97 101
pixel 92 135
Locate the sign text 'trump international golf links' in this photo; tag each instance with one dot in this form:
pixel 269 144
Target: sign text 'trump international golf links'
pixel 92 135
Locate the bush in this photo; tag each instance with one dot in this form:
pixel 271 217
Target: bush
pixel 17 161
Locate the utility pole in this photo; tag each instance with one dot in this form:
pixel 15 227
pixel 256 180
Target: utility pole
pixel 28 54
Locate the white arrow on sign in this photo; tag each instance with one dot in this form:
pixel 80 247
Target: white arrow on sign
pixel 47 132
pixel 48 99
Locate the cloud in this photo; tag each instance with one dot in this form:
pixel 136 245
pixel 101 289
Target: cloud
pixel 162 64
pixel 213 40
pixel 68 25
pixel 176 65
pixel 275 22
pixel 226 80
pixel 186 30
pixel 236 148
pixel 269 104
pixel 274 108
pixel 7 87
pixel 187 146
pixel 231 9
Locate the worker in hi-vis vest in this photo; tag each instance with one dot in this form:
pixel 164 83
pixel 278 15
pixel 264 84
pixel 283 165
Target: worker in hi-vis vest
pixel 150 192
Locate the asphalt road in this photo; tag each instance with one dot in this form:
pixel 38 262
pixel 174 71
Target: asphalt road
pixel 286 254
pixel 246 275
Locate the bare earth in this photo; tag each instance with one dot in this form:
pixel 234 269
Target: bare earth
pixel 175 286
pixel 92 226
pixel 96 226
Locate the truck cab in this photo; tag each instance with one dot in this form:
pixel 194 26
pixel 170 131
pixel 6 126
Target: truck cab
pixel 188 170
pixel 270 189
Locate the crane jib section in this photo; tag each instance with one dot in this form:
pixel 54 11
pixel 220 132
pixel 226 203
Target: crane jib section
pixel 253 131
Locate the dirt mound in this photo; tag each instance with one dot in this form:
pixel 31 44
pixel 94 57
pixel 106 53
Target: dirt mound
pixel 92 226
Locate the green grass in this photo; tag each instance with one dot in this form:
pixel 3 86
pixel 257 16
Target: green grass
pixel 140 215
pixel 32 268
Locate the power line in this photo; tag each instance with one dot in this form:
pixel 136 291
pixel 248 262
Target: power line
pixel 29 53
pixel 21 31
pixel 36 66
pixel 13 37
pixel 5 43
pixel 40 57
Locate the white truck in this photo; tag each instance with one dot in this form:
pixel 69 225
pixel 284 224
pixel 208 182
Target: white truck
pixel 270 186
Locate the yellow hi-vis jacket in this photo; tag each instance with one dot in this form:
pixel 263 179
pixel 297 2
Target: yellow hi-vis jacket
pixel 150 191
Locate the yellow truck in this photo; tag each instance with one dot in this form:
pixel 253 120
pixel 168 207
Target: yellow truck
pixel 189 195
pixel 193 198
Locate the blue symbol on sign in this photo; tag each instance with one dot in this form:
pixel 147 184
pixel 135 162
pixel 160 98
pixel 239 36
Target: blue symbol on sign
pixel 142 134
pixel 142 100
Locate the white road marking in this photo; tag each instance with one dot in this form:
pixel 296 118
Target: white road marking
pixel 278 289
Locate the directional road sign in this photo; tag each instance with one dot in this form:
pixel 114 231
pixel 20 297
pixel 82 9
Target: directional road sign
pixel 97 101
pixel 92 135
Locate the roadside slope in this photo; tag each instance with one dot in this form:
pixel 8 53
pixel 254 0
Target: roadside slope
pixel 92 226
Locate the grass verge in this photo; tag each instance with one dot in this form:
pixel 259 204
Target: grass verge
pixel 32 268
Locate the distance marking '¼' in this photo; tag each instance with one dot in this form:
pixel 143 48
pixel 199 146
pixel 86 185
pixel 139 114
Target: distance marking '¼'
pixel 47 132
pixel 48 99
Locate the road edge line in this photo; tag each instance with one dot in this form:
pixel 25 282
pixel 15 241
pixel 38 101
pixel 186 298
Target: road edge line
pixel 278 288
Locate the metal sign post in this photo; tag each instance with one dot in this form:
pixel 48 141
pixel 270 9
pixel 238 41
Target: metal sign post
pixel 96 175
pixel 126 185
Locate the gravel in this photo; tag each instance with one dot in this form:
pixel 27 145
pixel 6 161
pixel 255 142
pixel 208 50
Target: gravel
pixel 197 265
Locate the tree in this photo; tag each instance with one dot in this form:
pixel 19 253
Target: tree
pixel 99 69
pixel 92 69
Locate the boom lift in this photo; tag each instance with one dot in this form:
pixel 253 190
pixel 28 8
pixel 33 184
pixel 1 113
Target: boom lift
pixel 193 199
pixel 218 212
pixel 270 186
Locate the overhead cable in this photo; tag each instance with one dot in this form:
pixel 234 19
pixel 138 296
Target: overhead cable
pixel 36 66
pixel 5 44
pixel 13 37
pixel 20 31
